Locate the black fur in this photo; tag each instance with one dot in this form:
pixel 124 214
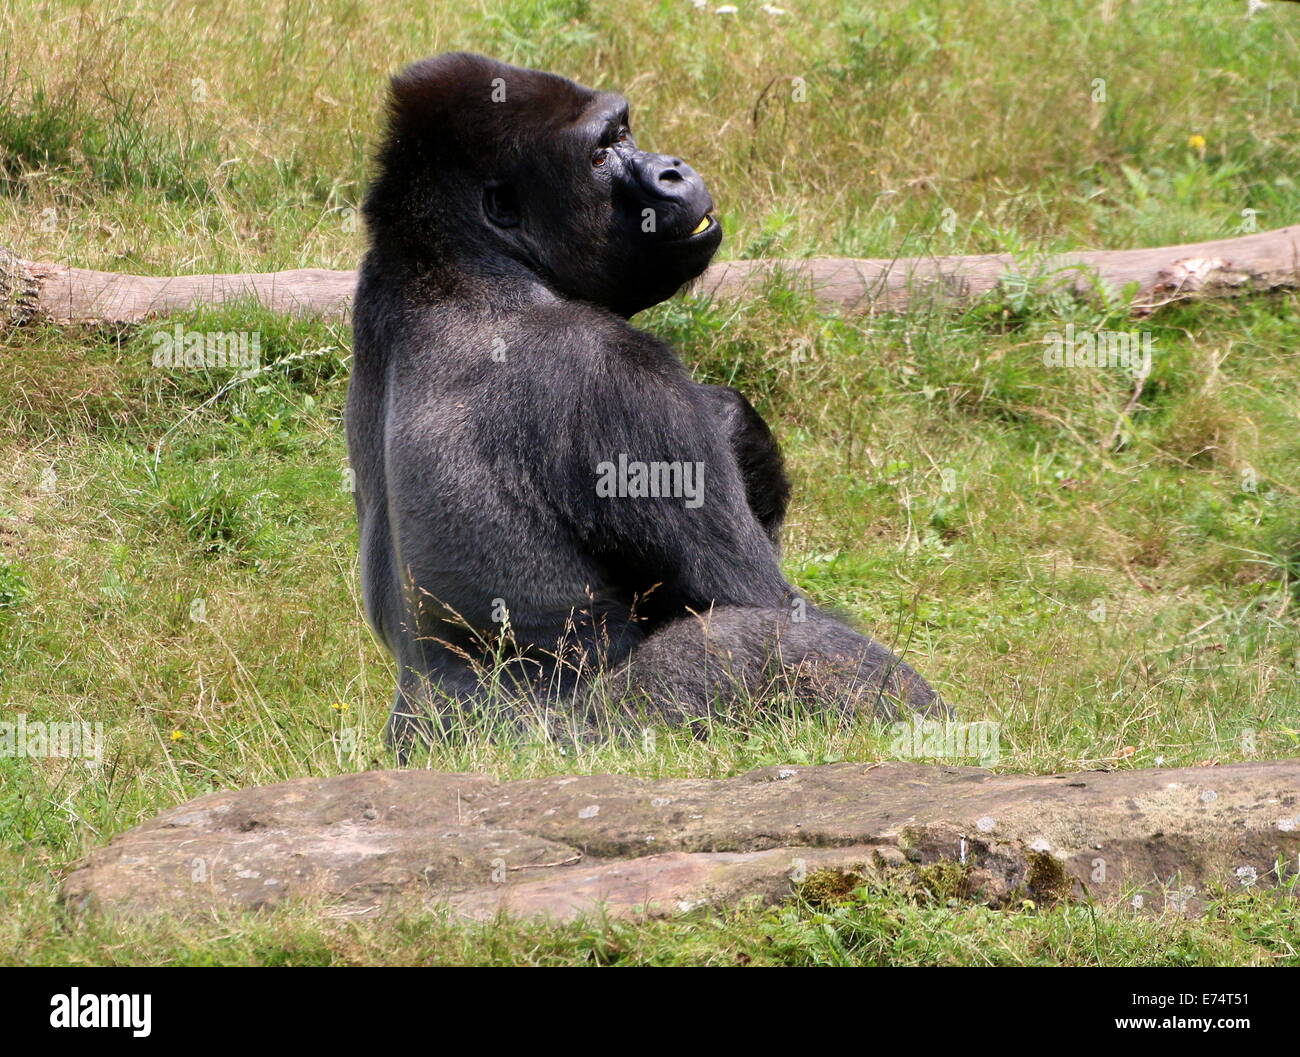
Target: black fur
pixel 514 227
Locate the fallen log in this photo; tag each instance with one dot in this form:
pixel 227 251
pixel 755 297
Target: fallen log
pixel 1249 264
pixel 569 846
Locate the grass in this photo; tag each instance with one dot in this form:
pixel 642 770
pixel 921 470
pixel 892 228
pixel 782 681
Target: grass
pixel 178 549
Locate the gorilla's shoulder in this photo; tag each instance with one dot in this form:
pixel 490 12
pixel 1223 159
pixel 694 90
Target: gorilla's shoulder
pixel 573 316
pixel 590 333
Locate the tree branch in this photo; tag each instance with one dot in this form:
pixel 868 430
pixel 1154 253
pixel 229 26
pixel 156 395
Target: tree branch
pixel 1256 263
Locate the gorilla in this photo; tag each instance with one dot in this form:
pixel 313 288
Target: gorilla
pixel 555 519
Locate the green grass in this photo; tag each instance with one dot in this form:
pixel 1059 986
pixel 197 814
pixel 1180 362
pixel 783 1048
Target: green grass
pixel 178 549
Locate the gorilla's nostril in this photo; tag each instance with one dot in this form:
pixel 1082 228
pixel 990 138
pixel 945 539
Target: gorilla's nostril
pixel 671 175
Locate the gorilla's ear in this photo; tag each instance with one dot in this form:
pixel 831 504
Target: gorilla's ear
pixel 501 205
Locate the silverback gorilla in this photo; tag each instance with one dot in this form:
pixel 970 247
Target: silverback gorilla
pixel 554 516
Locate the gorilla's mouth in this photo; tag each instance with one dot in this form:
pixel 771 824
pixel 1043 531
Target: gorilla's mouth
pixel 707 221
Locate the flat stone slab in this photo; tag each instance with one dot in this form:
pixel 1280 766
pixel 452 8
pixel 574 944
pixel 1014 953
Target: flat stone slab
pixel 563 847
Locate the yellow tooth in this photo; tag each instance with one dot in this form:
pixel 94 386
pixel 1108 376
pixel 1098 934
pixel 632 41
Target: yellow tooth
pixel 702 225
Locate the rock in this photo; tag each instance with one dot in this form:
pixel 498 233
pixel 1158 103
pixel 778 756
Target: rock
pixel 567 846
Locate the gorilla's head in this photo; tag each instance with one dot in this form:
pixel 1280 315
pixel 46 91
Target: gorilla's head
pixel 485 162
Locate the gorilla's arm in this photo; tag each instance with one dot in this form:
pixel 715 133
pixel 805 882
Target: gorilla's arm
pixel 636 403
pixel 766 486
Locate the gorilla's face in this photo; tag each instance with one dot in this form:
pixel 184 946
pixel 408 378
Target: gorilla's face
pixel 485 161
pixel 602 219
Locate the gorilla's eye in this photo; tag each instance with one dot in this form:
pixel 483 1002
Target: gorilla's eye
pixel 599 157
pixel 624 135
pixel 501 205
